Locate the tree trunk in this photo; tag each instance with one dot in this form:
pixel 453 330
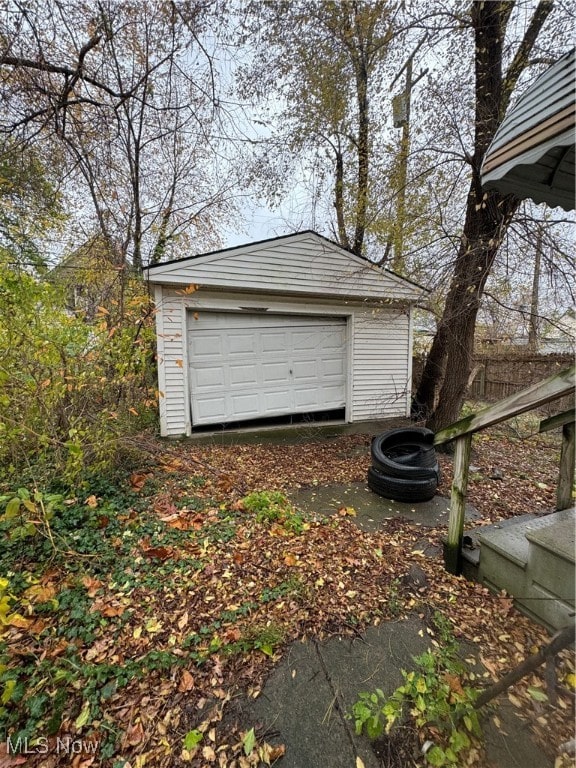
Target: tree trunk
pixel 363 157
pixel 488 215
pixel 483 233
pixel 339 200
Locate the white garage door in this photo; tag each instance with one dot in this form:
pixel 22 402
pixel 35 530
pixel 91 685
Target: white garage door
pixel 248 366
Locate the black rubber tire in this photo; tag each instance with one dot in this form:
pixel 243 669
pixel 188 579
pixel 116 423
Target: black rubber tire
pixel 396 438
pixel 406 453
pixel 390 468
pixel 401 489
pixel 411 454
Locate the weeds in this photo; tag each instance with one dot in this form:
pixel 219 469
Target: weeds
pixel 274 507
pixel 434 696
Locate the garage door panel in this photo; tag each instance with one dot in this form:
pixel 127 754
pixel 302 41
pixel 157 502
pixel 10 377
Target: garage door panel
pixel 333 341
pixel 273 342
pixel 275 373
pixel 245 406
pixel 275 402
pixel 332 367
pixel 241 344
pixel 332 397
pixel 210 377
pixel 208 345
pixel 267 365
pixel 209 408
pixel 306 398
pixel 305 370
pixel 243 374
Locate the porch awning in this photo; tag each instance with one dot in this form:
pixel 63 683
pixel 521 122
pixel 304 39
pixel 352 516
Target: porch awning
pixel 532 153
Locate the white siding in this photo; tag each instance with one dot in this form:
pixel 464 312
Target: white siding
pixel 381 364
pixel 172 365
pixel 300 264
pixel 378 362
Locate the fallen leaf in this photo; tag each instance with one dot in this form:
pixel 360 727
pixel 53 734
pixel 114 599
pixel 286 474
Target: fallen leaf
pixel 209 754
pixel 249 742
pixel 138 481
pixel 98 652
pixel 92 585
pixel 108 608
pixel 489 666
pixel 133 735
pixel 186 682
pixel 537 693
pixel 17 620
pixel 40 593
pixel 84 716
pixel 179 523
pixel 158 553
pixel 515 700
pixel 153 626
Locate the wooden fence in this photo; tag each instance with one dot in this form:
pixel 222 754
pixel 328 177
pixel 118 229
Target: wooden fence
pixel 499 376
pixel 509 371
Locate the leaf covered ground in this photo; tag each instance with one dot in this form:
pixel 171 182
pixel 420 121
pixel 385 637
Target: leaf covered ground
pixel 167 593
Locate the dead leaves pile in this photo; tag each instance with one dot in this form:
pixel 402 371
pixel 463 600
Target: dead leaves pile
pixel 233 602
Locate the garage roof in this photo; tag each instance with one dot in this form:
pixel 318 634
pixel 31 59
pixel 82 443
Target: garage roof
pixel 532 153
pixel 302 263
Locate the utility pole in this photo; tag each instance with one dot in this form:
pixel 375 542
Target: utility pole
pixel 401 115
pixel 533 326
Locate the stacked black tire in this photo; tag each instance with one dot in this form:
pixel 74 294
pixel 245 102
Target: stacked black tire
pixel 404 465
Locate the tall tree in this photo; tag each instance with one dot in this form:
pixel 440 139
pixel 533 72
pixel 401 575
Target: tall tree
pixel 487 214
pixel 126 97
pixel 326 62
pixel 30 205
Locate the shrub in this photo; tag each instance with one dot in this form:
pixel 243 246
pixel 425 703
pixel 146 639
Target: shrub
pixel 68 388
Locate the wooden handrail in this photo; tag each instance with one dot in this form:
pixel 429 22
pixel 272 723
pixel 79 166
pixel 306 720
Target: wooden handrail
pixel 556 386
pixel 558 420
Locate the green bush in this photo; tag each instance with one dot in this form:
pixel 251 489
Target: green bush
pixel 70 390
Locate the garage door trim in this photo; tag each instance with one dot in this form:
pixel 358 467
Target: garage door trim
pixel 250 365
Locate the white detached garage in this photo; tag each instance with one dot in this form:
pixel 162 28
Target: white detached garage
pixel 287 326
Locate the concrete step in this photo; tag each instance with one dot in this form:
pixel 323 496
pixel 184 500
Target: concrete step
pixel 551 568
pixel 472 553
pixel 532 558
pixel 552 557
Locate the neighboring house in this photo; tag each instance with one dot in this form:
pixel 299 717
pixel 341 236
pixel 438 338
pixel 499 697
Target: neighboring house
pixel 291 325
pixel 555 337
pixel 90 277
pixel 560 337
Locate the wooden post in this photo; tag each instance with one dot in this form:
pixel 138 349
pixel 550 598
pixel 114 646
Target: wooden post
pixel 566 479
pixel 453 546
pixel 566 420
